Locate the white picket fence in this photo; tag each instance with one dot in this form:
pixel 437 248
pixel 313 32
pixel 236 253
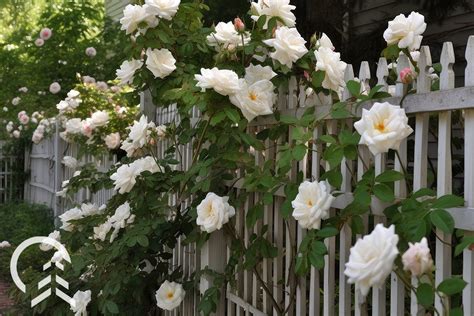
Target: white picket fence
pixel 47 174
pixel 326 292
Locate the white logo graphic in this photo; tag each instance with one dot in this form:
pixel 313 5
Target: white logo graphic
pixel 61 254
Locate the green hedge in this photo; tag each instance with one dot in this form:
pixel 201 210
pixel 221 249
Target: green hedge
pixel 20 221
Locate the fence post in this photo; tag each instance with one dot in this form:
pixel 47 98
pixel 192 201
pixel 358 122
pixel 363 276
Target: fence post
pixel 213 256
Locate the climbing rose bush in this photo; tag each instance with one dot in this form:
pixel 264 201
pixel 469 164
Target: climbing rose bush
pixel 231 74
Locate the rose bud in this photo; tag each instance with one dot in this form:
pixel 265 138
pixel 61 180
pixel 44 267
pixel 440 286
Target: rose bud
pixel 239 25
pixel 407 75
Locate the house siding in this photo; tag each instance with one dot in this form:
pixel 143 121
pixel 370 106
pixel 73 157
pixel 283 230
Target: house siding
pixel 114 8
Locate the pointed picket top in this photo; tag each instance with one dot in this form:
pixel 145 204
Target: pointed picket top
pixel 364 76
pixel 469 73
pixel 382 73
pixel 348 75
pixel 423 83
pixel 446 78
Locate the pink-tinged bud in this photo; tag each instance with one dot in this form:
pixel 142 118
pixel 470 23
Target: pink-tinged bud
pixel 306 75
pixel 407 75
pixel 239 25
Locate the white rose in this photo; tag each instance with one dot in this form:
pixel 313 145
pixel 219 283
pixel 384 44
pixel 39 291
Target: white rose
pixel 5 109
pixel 146 164
pixel 54 88
pixel 56 235
pixel 10 127
pixel 127 70
pixel 16 134
pixel 120 219
pixel 223 81
pixel 70 162
pixel 89 209
pixel 254 73
pixel 23 89
pixel 165 9
pixel 81 300
pixel 289 46
pixel 37 137
pixel 73 94
pixel 256 99
pixel 271 8
pixel 160 62
pixel 140 131
pixel 74 126
pixel 24 119
pixel 88 79
pixel 5 244
pixel 57 257
pixel 406 31
pixel 213 212
pixel 226 37
pixel 312 204
pixel 16 100
pixel 70 215
pixel 125 178
pixel 112 140
pixel 417 259
pixel 101 85
pixel 330 62
pixel 169 295
pixel 371 259
pixel 62 106
pixel 99 118
pixel 383 127
pixel 324 41
pixel 101 231
pixel 133 15
pixel 91 51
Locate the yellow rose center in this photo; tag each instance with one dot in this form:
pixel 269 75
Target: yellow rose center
pixel 252 96
pixel 170 295
pixel 380 127
pixel 310 203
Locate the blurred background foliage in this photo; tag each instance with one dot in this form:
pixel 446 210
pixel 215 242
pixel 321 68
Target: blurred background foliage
pixel 76 25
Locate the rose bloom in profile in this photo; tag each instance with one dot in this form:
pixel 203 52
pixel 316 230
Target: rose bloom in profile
pixel 223 81
pixel 406 31
pixel 213 212
pixel 46 33
pixel 112 141
pixel 169 295
pixel 289 46
pixel 371 259
pixel 383 127
pixel 417 259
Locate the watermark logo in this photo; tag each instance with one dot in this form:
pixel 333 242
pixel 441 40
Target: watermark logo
pixel 61 254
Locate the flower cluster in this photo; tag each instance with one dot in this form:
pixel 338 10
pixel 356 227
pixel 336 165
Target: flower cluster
pixel 76 213
pixel 121 218
pixel 125 176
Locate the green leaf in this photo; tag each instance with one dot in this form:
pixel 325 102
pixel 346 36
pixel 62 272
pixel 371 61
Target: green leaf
pixel 316 259
pixel 254 214
pixel 327 139
pixel 357 224
pixel 287 119
pixel 447 201
pixel 327 231
pixel 353 87
pixel 389 176
pixel 261 21
pixel 425 294
pixel 112 307
pixel 232 114
pixel 391 52
pixel 317 78
pixel 299 151
pixel 143 240
pixel 383 192
pixel 452 286
pixel 442 220
pixel 466 241
pixel 334 177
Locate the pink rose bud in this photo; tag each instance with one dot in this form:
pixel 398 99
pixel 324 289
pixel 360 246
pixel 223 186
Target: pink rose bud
pixel 306 75
pixel 417 259
pixel 407 75
pixel 239 25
